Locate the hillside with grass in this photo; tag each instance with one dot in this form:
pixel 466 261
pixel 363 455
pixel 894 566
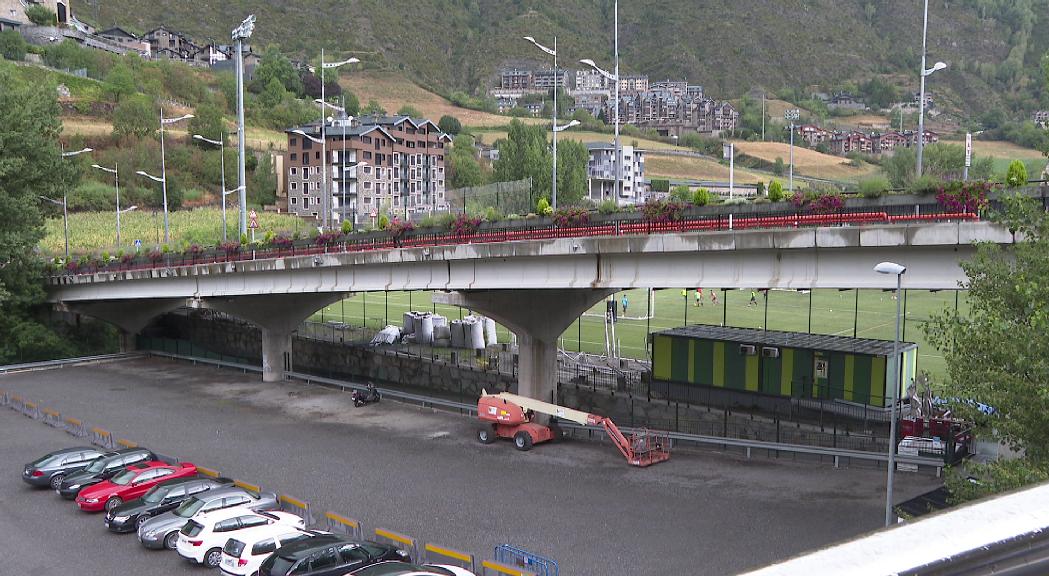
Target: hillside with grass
pixel 729 46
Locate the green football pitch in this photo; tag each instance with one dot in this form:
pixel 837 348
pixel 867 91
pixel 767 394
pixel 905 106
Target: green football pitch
pixel 863 314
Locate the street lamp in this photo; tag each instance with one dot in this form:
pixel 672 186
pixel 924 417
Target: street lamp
pixel 552 52
pixel 792 116
pixel 614 78
pixel 240 34
pixel 221 143
pixel 898 270
pixel 160 180
pixel 326 206
pixel 921 94
pixel 346 120
pixel 116 184
pixel 163 165
pixel 564 127
pixel 65 200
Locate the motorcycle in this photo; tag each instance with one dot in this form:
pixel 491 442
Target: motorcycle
pixel 362 397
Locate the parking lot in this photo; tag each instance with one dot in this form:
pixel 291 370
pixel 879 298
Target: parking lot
pixel 422 474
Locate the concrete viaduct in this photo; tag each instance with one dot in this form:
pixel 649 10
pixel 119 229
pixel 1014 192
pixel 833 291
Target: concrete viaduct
pixel 536 288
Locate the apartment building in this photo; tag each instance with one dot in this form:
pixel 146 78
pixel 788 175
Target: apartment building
pixel 375 164
pixel 601 174
pixel 633 83
pixel 590 80
pixel 164 43
pixel 548 79
pixel 514 79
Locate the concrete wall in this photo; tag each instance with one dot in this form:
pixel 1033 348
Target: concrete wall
pixel 359 363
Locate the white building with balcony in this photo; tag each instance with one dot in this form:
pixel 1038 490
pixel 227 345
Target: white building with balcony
pixel 601 175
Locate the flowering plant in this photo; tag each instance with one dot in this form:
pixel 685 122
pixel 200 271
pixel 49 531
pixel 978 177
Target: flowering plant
pixel 964 196
pixel 571 217
pixel 662 211
pixel 465 225
pixel 398 228
pixel 827 204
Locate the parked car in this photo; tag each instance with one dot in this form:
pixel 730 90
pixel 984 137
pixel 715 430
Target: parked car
pixel 161 498
pixel 406 569
pixel 244 553
pixel 133 482
pixel 161 531
pixel 101 469
pixel 328 555
pixel 202 538
pixel 51 469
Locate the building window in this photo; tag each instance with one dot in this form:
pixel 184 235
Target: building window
pixel 294 201
pixel 317 155
pixel 367 169
pixel 294 157
pixel 367 185
pixel 305 203
pixel 367 155
pixel 294 186
pixel 294 171
pixel 293 142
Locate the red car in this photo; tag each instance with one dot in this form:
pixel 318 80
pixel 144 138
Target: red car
pixel 133 482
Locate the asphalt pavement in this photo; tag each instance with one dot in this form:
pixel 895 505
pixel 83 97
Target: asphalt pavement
pixel 421 473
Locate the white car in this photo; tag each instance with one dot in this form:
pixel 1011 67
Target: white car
pixel 243 554
pixel 202 538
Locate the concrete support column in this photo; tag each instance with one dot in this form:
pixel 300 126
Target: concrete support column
pixel 538 318
pixel 276 354
pixel 127 341
pixel 129 316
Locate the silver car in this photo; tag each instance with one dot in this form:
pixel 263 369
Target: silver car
pixel 161 531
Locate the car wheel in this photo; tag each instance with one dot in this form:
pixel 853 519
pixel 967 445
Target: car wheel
pixel 213 558
pixel 523 441
pixel 141 520
pixel 171 540
pixel 56 481
pixel 113 503
pixel 485 435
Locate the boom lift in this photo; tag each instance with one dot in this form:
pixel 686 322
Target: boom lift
pixel 507 415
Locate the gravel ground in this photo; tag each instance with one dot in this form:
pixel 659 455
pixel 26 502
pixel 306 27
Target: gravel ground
pixel 423 474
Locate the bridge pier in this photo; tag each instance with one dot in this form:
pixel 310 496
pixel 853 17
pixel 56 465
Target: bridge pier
pixel 277 315
pixel 538 318
pixel 129 316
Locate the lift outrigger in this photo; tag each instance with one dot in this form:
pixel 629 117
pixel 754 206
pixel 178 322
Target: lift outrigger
pixel 507 415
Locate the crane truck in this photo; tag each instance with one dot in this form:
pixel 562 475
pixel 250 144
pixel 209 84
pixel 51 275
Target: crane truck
pixel 511 416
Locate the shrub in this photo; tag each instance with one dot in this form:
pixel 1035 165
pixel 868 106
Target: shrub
pixel 449 125
pixel 346 227
pixel 681 193
pixel 12 45
pixel 230 248
pixel 542 207
pixel 701 197
pixel 798 199
pixel 1016 176
pixel 660 185
pixel 327 238
pixel 41 16
pixel 608 207
pixel 964 196
pixel 465 224
pixel 384 221
pixel 927 184
pixel 156 255
pixel 775 191
pixel 195 250
pixel 400 227
pixel 662 211
pixel 281 242
pixel 572 217
pixel 874 187
pixel 827 203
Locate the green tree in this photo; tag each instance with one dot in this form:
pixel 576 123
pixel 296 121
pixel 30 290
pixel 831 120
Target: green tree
pixel 701 197
pixel 776 191
pixel 30 166
pixel 778 167
pixel 681 193
pixel 572 159
pixel 273 93
pixel 996 351
pixel 263 187
pixel 119 82
pixel 12 45
pixel 275 66
pixel 208 121
pixel 899 168
pixel 409 110
pixel 352 104
pixel 464 169
pixel 41 16
pixel 450 125
pixel 878 93
pixel 373 109
pixel 525 154
pixel 134 116
pixel 1016 175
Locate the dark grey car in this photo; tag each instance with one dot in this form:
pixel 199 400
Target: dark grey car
pixel 51 469
pixel 162 531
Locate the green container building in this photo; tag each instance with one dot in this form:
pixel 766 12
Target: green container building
pixel 787 364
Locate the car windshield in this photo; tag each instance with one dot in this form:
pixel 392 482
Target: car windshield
pixel 124 478
pixel 156 494
pixel 189 507
pixel 97 466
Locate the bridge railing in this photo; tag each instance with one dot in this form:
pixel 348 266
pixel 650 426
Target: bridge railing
pixel 749 218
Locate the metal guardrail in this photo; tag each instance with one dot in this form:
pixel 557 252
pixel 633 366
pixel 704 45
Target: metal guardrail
pixel 747 445
pixel 48 364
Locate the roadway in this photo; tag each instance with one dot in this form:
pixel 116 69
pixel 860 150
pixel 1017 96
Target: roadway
pixel 422 473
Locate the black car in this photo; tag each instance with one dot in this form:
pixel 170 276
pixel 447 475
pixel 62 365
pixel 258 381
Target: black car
pixel 328 555
pixel 161 498
pixel 51 469
pixel 101 469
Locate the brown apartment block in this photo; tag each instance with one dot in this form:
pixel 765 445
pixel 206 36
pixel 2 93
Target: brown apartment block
pixel 375 164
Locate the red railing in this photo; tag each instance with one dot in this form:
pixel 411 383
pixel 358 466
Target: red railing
pixel 500 235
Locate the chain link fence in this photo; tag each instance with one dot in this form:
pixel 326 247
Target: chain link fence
pixel 504 198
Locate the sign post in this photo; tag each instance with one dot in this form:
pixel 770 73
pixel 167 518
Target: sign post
pixel 253 223
pixel 968 155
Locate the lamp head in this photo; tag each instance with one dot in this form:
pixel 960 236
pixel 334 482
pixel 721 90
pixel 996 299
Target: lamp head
pixel 588 62
pixel 529 38
pixel 890 268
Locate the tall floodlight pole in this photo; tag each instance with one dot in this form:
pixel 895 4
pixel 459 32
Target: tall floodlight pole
pixel 240 34
pixel 792 116
pixel 921 92
pixel 326 196
pixel 221 143
pixel 552 52
pixel 898 270
pixel 163 166
pixel 619 149
pixel 65 199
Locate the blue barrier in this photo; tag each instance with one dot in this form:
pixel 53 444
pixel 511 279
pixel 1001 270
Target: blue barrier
pixel 513 556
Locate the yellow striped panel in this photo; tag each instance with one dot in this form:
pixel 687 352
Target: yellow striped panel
pixel 208 472
pixel 850 372
pixel 719 364
pixel 74 422
pixel 786 374
pixel 293 501
pixel 247 486
pixel 127 443
pixel 342 520
pixel 661 357
pixel 503 569
pixel 449 553
pixel 878 381
pixel 394 536
pixel 752 373
pixel 692 361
